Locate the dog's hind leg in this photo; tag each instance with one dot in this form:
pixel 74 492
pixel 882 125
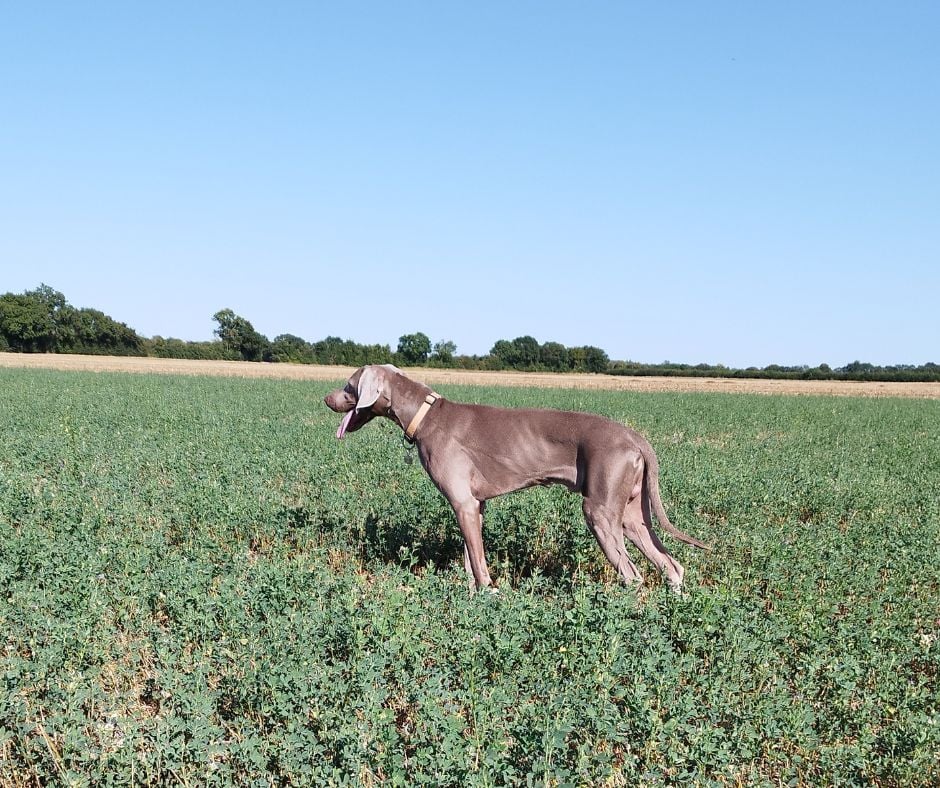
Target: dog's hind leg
pixel 637 525
pixel 606 529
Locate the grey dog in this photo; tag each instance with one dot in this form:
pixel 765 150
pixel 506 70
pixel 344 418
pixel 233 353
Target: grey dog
pixel 477 452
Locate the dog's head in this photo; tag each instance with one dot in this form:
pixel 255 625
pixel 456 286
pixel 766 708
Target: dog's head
pixel 365 396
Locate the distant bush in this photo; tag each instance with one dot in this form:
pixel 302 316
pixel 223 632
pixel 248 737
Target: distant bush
pixel 179 348
pixel 925 373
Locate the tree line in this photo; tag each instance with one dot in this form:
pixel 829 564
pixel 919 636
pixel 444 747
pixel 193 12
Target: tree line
pixel 238 335
pixel 42 321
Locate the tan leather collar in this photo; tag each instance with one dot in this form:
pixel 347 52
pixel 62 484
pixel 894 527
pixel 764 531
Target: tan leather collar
pixel 429 400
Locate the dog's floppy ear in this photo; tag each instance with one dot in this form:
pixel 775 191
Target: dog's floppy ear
pixel 370 388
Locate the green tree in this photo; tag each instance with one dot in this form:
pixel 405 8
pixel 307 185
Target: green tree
pixel 178 348
pixel 588 359
pixel 25 325
pixel 238 334
pixel 857 370
pixel 414 348
pixel 30 322
pixel 554 356
pixel 290 348
pixel 334 350
pixel 502 350
pixel 444 351
pixel 521 353
pixel 92 331
pixel 527 351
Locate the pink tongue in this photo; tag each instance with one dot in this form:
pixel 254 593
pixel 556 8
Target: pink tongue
pixel 345 423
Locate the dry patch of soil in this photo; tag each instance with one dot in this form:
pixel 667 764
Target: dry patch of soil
pixel 474 378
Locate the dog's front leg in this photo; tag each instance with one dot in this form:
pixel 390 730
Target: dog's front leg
pixel 467 565
pixel 470 517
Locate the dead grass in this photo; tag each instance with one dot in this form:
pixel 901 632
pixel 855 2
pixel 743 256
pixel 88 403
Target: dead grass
pixel 474 378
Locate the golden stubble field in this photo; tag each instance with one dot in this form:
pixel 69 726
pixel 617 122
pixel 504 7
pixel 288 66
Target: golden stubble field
pixel 468 377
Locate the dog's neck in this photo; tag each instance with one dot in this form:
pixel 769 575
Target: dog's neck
pixel 410 397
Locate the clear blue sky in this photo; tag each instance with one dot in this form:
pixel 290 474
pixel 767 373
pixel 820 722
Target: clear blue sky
pixel 726 182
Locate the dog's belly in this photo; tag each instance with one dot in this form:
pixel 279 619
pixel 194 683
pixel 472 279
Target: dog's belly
pixel 494 474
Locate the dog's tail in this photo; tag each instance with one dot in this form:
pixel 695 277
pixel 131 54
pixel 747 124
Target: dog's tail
pixel 651 485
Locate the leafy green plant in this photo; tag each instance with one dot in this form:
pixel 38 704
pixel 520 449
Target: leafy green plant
pixel 199 585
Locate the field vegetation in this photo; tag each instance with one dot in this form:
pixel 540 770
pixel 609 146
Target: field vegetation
pixel 199 585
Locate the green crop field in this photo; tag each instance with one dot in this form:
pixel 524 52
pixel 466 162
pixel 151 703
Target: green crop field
pixel 199 585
